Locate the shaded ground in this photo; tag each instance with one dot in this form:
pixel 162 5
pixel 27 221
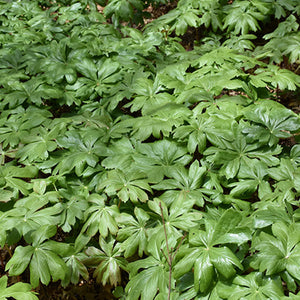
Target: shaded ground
pixel 83 291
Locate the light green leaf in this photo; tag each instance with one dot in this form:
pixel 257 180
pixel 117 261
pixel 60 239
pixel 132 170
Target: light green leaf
pixel 18 291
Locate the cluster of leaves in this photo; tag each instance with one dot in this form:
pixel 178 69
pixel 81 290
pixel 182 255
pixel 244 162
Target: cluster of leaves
pixel 124 153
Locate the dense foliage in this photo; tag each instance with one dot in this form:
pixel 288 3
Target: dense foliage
pixel 174 171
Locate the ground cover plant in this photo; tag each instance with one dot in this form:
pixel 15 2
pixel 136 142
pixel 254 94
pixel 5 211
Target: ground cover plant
pixel 155 156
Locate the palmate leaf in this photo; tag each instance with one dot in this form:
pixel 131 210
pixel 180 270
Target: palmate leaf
pixel 138 45
pixel 183 190
pixel 18 291
pixel 281 7
pixel 295 154
pixel 119 154
pixel 59 62
pixel 234 153
pixel 73 208
pixel 151 280
pixel 287 176
pixel 159 123
pixel 286 172
pixel 133 232
pixel 252 286
pixel 13 60
pixel 177 220
pixel 240 43
pixel 175 77
pixel 70 13
pixel 64 46
pixel 223 57
pixel 274 122
pixel 33 91
pixel 272 213
pixel 155 159
pixel 170 19
pixel 207 255
pixel 11 182
pixel 243 17
pixel 211 14
pixel 99 218
pixel 285 27
pixel 107 260
pixel 131 185
pixel 194 133
pixel 14 124
pixel 205 77
pixel 12 131
pixel 83 150
pixel 191 294
pixel 149 95
pixel 76 268
pixel 28 217
pixel 122 10
pixel 38 143
pixel 292 49
pixel 184 20
pixel 279 252
pixel 92 122
pixel 275 77
pixel 252 178
pixel 144 127
pixel 97 78
pixel 42 258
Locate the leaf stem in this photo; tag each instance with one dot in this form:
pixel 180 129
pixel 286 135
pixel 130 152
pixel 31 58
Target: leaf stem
pixel 169 257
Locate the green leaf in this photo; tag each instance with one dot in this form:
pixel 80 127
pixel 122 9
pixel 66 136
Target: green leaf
pixel 203 269
pixel 26 219
pixel 206 253
pixel 276 77
pixel 39 146
pixel 99 218
pixel 76 268
pixel 72 210
pixel 119 155
pixel 107 261
pixel 41 257
pixel 149 96
pixel 97 78
pixel 287 177
pixel 252 178
pixel 18 291
pixel 126 186
pixel 146 283
pixel 277 122
pixel 252 286
pixel 243 18
pixel 33 90
pixel 280 251
pixel 156 159
pixel 133 232
pixel 11 179
pixel 175 222
pixel 185 187
pixel 81 152
pixel 20 260
pixel 270 215
pixel 234 153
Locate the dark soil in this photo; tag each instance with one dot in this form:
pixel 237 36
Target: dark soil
pixel 82 291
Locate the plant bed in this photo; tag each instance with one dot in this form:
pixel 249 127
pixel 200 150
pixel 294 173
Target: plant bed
pixel 149 161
